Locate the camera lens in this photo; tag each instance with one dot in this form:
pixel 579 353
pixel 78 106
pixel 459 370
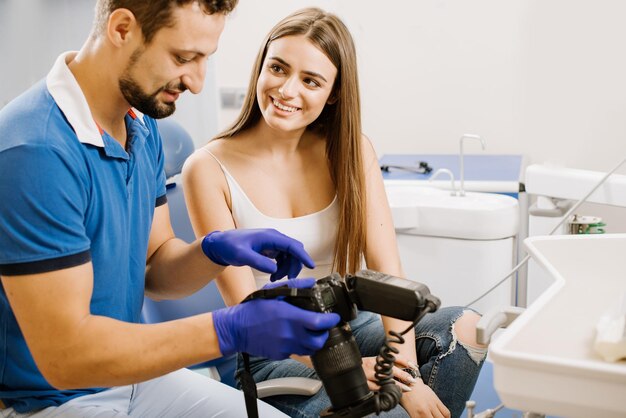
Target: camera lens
pixel 338 365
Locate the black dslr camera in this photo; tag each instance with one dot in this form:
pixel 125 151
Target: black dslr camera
pixel 338 363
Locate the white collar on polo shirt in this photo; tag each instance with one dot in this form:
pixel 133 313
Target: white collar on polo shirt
pixel 66 92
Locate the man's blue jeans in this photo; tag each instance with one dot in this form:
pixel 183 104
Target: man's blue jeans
pixel 446 365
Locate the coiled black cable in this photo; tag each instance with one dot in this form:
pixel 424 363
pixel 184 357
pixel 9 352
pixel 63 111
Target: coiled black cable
pixel 389 394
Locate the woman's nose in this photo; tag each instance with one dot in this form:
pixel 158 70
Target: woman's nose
pixel 288 89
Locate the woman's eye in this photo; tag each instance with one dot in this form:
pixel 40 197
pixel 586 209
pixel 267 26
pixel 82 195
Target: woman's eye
pixel 182 60
pixel 311 83
pixel 276 68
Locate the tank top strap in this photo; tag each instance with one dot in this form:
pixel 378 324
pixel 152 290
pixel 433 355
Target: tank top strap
pixel 240 201
pixel 215 158
pixel 232 183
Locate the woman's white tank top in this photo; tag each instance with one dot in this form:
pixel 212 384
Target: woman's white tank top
pixel 317 231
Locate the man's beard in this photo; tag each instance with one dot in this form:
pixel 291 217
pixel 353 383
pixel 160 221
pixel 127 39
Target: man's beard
pixel 146 103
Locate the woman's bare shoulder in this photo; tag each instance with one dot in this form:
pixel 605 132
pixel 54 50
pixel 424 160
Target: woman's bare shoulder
pixel 202 162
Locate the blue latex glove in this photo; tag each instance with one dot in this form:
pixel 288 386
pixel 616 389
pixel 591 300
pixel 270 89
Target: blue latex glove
pixel 256 248
pixel 272 328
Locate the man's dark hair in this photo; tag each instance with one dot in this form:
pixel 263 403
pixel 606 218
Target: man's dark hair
pixel 153 15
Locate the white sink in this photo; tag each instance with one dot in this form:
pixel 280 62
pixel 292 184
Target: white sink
pixel 429 211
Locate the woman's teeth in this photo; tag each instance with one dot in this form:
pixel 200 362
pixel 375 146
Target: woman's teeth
pixel 283 107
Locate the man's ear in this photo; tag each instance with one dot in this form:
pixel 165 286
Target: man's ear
pixel 122 27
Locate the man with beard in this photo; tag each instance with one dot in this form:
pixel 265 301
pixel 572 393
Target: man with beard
pixel 85 232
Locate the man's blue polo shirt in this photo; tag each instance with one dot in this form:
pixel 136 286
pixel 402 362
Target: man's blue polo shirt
pixel 70 194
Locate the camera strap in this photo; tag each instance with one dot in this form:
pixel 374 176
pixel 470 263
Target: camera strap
pixel 248 385
pixel 279 293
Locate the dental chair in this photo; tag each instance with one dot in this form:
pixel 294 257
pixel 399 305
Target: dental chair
pixel 177 146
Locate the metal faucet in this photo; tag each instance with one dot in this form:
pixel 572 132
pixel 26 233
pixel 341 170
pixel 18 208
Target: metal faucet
pixel 449 173
pixel 462 169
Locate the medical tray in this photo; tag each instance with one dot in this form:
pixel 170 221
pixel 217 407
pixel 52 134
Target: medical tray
pixel 544 361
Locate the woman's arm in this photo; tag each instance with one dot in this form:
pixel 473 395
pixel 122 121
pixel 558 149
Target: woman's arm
pixel 382 255
pixel 208 202
pixel 381 246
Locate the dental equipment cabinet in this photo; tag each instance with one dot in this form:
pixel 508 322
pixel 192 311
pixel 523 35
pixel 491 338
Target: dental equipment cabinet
pixel 546 360
pixel 555 189
pixel 573 280
pixel 459 245
pixel 561 375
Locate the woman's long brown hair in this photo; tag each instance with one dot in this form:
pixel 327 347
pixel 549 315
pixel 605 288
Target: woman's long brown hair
pixel 339 122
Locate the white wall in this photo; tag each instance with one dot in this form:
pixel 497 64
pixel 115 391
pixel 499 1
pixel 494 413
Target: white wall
pixel 544 78
pixel 34 32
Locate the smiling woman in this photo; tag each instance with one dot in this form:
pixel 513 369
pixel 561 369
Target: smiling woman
pixel 295 83
pixel 296 160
